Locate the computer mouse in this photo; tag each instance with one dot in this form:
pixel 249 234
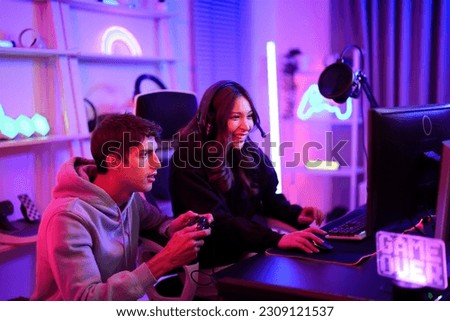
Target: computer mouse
pixel 323 247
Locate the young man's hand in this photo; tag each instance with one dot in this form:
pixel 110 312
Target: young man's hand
pixel 185 220
pixel 181 249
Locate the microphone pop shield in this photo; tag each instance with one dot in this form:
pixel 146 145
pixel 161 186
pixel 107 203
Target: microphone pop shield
pixel 336 82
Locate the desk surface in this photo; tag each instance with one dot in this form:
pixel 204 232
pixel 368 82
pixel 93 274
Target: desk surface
pixel 263 277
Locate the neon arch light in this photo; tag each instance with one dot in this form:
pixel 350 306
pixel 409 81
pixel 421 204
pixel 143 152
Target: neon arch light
pixel 313 102
pixel 119 34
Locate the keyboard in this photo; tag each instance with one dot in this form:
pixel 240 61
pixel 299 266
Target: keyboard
pixel 348 228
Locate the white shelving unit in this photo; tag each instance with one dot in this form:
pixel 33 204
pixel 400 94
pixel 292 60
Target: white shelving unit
pixel 326 189
pixel 32 53
pixel 51 139
pixel 54 82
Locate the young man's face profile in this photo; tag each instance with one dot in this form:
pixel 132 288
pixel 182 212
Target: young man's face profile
pixel 139 173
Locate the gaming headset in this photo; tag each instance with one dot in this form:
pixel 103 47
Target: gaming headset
pixel 92 122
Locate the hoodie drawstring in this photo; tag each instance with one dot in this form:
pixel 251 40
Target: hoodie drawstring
pixel 124 237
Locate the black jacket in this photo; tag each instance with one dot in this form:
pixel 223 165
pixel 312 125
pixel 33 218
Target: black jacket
pixel 233 233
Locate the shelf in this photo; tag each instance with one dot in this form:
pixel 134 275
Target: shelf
pixel 331 121
pixel 32 53
pixel 119 9
pixel 94 58
pixel 49 53
pixel 341 172
pixel 41 140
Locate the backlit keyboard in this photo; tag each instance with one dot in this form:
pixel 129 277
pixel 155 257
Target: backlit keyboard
pixel 353 229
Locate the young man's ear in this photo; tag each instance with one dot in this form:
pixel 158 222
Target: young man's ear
pixel 112 161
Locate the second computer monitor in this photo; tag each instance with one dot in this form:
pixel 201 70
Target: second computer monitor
pixel 405 147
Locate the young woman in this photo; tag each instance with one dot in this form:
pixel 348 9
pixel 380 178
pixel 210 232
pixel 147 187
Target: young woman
pixel 217 169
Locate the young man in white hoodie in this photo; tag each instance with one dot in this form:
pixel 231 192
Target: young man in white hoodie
pixel 88 238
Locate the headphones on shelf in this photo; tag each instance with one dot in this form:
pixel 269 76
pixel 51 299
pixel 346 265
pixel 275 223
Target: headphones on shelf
pixel 137 84
pixel 206 113
pixel 92 122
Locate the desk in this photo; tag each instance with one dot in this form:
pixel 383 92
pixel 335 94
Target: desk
pixel 263 277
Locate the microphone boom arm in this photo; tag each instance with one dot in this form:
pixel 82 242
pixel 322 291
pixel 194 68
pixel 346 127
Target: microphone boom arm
pixel 366 88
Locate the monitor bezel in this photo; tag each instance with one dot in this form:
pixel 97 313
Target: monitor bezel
pixel 443 199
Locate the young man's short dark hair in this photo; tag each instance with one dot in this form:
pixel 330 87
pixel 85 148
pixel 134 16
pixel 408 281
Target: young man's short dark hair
pixel 116 134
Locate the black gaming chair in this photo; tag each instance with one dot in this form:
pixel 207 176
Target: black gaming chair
pixel 172 110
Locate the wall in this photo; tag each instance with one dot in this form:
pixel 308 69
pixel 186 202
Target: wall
pixel 301 24
pixel 180 39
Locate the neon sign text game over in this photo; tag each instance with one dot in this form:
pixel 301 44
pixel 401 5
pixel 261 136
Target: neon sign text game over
pixel 413 259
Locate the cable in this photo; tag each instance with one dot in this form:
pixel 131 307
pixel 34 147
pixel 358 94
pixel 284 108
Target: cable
pixel 211 281
pixel 213 271
pixel 420 226
pixel 361 77
pixel 361 54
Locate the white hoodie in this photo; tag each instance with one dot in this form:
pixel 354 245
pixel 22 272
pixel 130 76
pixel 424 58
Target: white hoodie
pixel 87 246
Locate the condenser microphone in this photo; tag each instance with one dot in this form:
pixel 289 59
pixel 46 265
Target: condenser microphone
pixel 336 82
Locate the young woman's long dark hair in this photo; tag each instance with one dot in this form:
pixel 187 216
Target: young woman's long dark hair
pixel 210 131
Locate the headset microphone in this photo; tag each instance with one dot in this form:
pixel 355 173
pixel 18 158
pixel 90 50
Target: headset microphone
pixel 263 133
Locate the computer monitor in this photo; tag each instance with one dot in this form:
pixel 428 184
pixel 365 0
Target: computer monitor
pixel 443 199
pixel 405 148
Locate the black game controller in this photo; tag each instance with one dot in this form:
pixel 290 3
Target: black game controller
pixel 202 222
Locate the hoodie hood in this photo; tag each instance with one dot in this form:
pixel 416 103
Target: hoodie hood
pixel 87 246
pixel 75 179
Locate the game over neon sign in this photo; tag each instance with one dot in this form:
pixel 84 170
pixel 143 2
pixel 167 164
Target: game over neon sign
pixel 413 259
